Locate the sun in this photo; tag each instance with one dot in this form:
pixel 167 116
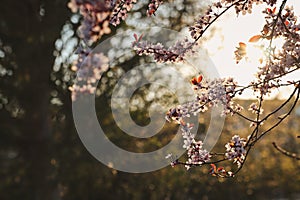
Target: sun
pixel 232 34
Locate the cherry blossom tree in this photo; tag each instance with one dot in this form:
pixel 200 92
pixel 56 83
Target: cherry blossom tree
pixel 99 17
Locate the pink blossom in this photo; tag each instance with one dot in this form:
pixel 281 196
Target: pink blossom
pixel 235 150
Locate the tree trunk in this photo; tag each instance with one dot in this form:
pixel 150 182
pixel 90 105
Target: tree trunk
pixel 32 38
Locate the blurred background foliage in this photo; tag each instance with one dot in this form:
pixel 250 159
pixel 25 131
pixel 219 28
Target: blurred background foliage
pixel 41 155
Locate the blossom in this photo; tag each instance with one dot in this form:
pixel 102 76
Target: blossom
pixel 168 156
pixel 255 109
pixel 187 135
pixel 220 171
pixel 235 150
pixel 197 155
pixel 90 70
pixel 218 91
pixel 120 11
pixel 215 11
pixel 282 23
pixel 173 53
pixel 96 16
pixel 153 6
pixel 177 114
pixel 173 159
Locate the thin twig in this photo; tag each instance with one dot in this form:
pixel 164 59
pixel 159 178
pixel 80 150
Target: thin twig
pixel 285 152
pixel 282 118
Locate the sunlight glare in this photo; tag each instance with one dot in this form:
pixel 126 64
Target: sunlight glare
pixel 221 47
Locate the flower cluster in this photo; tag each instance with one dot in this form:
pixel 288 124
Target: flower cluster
pixel 188 136
pixel 208 94
pixel 96 17
pixel 120 11
pixel 218 91
pixel 177 114
pixel 235 150
pixel 198 28
pixel 269 75
pixel 280 62
pixel 220 171
pixel 216 10
pixel 197 155
pixel 173 159
pixel 246 6
pixel 153 6
pixel 89 71
pixel 280 24
pixel 97 14
pixel 174 53
pixel 254 108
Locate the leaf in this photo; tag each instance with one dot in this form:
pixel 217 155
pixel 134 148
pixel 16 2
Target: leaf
pixel 242 45
pixel 286 22
pixel 213 169
pixel 220 169
pixel 271 11
pixel 194 81
pixel 255 38
pixel 240 52
pixel 137 39
pixel 266 29
pixel 141 36
pixel 151 12
pixel 199 79
pixel 182 122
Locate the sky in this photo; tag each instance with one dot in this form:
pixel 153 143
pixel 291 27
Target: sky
pixel 231 31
